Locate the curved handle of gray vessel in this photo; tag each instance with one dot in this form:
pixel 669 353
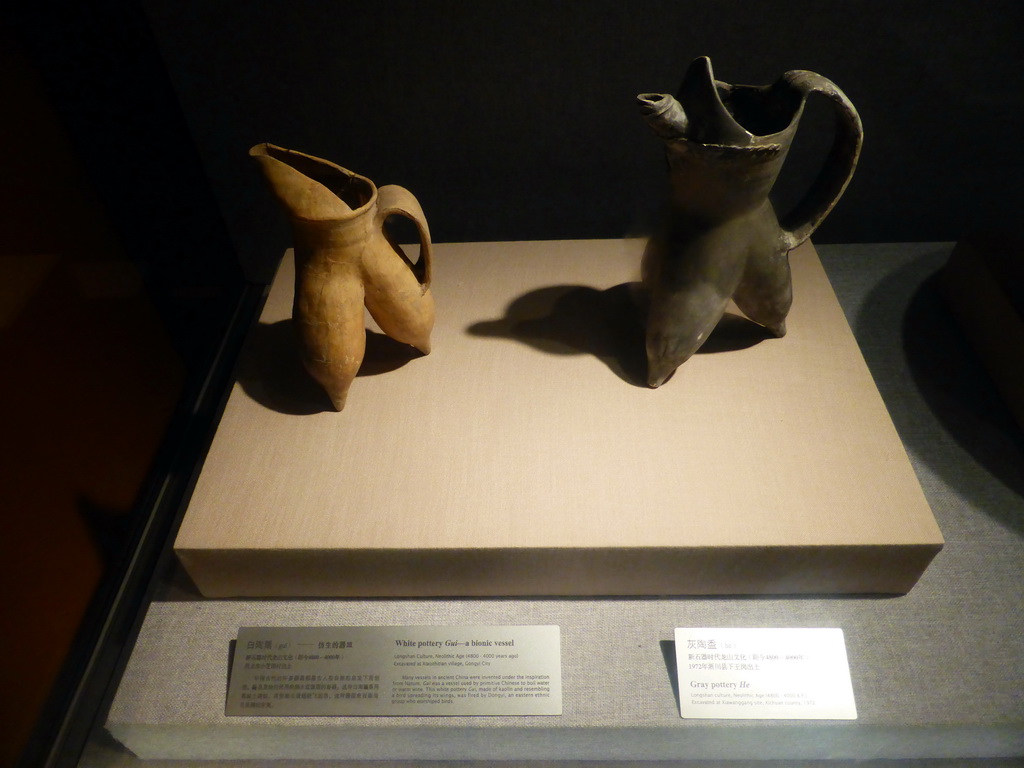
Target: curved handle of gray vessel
pixel 839 166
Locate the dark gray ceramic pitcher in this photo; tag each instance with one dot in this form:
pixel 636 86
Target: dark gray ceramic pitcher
pixel 722 239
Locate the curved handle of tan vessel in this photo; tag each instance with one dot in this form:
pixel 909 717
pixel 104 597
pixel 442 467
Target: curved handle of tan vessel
pixel 398 293
pixel 839 165
pixel 393 200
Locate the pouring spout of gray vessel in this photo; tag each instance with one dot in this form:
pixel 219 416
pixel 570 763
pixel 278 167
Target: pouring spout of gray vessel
pixel 664 114
pixel 697 112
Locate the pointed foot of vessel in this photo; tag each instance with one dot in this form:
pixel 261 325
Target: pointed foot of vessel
pixel 658 372
pixel 335 379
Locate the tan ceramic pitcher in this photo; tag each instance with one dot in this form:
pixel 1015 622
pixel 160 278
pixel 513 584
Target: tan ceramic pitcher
pixel 344 261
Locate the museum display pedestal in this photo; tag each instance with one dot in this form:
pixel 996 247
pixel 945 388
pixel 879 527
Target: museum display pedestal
pixel 524 455
pixel 936 673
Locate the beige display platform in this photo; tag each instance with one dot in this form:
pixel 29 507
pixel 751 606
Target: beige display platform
pixel 524 456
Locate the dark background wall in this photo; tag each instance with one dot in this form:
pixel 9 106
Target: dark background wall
pixel 515 119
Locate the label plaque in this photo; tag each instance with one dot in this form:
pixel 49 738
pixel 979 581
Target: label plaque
pixel 419 670
pixel 772 674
